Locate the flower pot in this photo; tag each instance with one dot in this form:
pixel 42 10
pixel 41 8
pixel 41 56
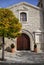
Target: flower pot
pixel 12 50
pixel 35 50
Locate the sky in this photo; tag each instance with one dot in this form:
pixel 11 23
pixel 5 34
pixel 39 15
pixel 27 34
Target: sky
pixel 7 3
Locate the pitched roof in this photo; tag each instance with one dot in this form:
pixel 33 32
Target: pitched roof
pixel 24 3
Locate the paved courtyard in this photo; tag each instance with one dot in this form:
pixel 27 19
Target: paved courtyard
pixel 24 57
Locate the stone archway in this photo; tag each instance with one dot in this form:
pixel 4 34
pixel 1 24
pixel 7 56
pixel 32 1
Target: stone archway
pixel 23 42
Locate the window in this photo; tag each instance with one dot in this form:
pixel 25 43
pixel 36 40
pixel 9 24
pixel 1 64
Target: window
pixel 23 16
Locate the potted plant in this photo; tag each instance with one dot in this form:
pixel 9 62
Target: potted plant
pixel 12 48
pixel 35 48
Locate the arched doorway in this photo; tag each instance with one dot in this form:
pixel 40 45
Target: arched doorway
pixel 23 42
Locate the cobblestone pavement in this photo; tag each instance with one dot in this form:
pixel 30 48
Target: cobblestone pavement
pixel 24 57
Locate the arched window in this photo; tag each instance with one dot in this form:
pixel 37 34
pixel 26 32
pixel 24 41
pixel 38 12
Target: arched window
pixel 23 16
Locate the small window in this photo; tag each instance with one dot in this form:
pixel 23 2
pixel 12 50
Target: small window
pixel 23 16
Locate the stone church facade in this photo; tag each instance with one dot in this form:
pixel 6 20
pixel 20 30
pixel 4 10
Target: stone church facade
pixel 31 18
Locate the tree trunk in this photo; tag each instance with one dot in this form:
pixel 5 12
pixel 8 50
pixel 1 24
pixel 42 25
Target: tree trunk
pixel 3 49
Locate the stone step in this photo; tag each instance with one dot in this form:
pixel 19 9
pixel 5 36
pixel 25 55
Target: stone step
pixel 24 57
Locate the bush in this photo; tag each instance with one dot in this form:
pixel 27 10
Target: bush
pixel 35 46
pixel 12 45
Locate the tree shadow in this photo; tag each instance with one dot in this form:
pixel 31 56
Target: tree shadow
pixel 8 49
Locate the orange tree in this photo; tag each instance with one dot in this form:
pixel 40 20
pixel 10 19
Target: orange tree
pixel 9 26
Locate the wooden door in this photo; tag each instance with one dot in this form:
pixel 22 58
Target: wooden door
pixel 23 42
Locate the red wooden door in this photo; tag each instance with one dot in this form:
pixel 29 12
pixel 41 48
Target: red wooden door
pixel 19 43
pixel 23 42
